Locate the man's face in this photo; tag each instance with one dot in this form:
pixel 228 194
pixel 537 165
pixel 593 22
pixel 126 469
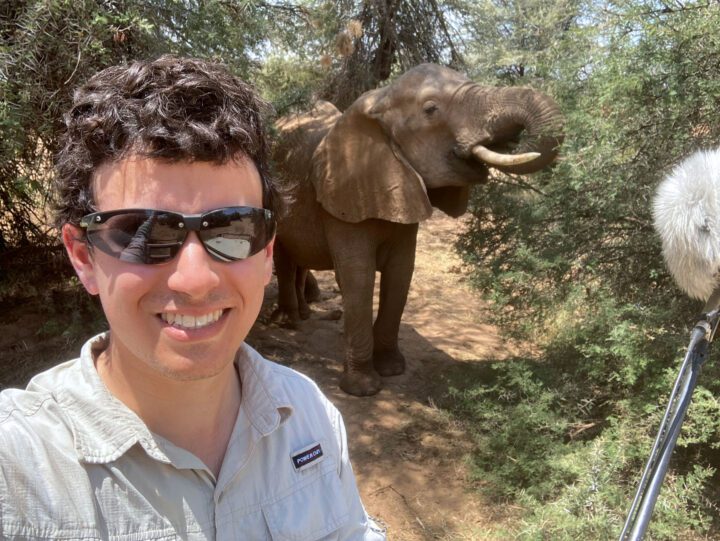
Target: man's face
pixel 211 304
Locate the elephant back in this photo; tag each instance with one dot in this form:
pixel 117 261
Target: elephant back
pixel 300 228
pixel 298 137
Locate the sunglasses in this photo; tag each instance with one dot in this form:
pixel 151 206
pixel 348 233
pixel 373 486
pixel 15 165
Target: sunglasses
pixel 152 237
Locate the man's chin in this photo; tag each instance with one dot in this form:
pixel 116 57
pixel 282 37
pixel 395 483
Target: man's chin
pixel 188 361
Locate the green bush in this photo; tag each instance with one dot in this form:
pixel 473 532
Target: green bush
pixel 566 435
pixel 572 265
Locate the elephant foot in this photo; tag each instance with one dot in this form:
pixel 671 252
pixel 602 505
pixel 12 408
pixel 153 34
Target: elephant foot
pixel 304 312
pixel 360 383
pixel 312 289
pixel 287 319
pixel 332 315
pixel 389 362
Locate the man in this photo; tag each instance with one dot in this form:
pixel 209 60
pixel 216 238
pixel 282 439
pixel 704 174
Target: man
pixel 169 426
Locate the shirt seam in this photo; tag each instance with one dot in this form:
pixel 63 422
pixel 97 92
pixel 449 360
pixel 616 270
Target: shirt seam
pixel 72 533
pixel 26 412
pixel 266 391
pixel 42 533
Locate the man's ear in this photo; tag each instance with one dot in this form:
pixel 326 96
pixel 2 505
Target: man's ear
pixel 80 257
pixel 269 260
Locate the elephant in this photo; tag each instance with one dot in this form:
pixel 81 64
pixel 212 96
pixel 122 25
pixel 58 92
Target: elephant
pixel 358 183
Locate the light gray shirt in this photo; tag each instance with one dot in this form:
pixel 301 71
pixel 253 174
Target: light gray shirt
pixel 76 463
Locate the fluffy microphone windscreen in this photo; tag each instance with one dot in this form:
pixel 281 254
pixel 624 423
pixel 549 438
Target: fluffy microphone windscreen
pixel 686 213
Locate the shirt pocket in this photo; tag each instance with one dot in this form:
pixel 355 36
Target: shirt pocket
pixel 312 513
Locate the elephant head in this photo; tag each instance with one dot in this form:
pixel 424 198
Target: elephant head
pixel 425 139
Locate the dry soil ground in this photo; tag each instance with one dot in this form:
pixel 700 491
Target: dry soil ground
pixel 408 456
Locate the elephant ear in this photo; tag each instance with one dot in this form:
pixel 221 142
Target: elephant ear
pixel 452 200
pixel 360 174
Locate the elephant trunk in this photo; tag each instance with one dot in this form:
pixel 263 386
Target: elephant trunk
pixel 526 119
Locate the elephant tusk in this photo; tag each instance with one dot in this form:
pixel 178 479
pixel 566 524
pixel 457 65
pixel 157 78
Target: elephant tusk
pixel 497 159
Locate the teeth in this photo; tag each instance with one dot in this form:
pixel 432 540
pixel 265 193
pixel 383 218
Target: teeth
pixel 185 321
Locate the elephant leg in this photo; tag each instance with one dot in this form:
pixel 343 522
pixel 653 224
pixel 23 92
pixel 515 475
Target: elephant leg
pixel 301 274
pixel 287 313
pixel 312 289
pixel 354 258
pixel 396 275
pixel 357 283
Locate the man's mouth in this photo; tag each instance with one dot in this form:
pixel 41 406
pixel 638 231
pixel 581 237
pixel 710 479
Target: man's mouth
pixel 185 321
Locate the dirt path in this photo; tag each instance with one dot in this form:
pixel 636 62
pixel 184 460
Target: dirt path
pixel 408 457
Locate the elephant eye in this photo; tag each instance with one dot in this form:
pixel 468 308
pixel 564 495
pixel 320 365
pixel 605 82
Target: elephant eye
pixel 430 107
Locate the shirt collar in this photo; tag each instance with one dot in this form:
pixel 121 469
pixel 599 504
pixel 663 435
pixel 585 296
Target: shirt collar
pixel 264 398
pixel 104 428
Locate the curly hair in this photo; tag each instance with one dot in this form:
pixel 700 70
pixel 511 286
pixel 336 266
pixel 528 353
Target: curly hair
pixel 172 109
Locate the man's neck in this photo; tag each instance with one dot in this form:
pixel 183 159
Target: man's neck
pixel 196 415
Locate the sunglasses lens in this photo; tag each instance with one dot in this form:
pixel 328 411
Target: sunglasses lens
pixel 138 236
pixel 236 233
pixel 153 236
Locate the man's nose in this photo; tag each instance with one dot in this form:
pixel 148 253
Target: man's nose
pixel 193 272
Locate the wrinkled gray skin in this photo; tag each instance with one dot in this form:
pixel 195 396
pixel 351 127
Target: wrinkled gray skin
pixel 360 182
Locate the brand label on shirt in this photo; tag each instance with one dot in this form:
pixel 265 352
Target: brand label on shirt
pixel 307 456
